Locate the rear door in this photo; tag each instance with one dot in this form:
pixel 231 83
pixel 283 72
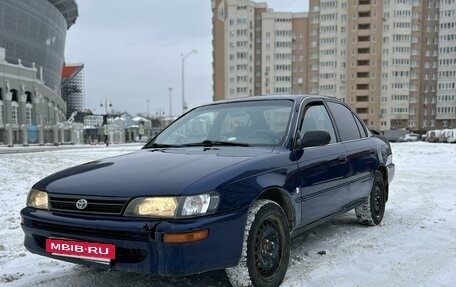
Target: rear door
pixel 361 153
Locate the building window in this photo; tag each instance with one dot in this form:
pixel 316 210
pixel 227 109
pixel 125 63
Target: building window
pixel 28 114
pixel 14 115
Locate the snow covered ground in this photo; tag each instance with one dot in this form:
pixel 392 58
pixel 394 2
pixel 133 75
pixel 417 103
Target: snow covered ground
pixel 414 246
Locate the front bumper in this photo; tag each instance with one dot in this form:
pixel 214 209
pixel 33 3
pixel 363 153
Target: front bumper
pixel 139 245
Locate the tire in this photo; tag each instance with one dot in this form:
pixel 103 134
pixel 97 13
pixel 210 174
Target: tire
pixel 266 249
pixel 372 210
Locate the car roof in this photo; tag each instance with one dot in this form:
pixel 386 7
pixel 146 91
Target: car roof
pixel 296 98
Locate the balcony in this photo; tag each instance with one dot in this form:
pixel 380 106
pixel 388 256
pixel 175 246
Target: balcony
pixel 363 81
pixel 364 20
pixel 363 38
pixel 363 32
pixel 364 14
pixel 364 26
pixel 362 87
pixel 362 75
pixel 362 93
pixel 363 69
pixel 363 99
pixel 364 44
pixel 363 63
pixel 363 57
pixel 361 111
pixel 364 8
pixel 364 51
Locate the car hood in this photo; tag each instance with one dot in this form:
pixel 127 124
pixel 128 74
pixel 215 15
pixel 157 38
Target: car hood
pixel 146 172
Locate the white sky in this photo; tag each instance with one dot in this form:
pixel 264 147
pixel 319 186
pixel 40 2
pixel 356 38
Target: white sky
pixel 132 51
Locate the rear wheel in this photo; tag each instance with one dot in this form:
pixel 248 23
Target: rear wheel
pixel 372 210
pixel 266 249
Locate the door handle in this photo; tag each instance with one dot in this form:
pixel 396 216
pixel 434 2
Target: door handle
pixel 342 158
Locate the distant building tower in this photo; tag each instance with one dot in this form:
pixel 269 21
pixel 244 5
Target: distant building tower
pixel 73 87
pixel 32 44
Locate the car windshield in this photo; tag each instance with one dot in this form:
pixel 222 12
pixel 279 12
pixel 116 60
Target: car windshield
pixel 231 124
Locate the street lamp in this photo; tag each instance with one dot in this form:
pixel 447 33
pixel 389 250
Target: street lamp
pixel 160 114
pixel 170 103
pixel 106 104
pixel 148 104
pixel 184 56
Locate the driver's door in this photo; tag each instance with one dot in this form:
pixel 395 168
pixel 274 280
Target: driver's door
pixel 323 169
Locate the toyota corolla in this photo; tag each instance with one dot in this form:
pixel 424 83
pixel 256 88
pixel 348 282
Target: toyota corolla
pixel 223 187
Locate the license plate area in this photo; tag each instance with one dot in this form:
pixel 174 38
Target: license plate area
pixel 92 251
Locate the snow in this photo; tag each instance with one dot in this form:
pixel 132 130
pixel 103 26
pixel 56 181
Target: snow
pixel 414 246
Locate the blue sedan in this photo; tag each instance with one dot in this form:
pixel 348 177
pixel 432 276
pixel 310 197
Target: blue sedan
pixel 223 187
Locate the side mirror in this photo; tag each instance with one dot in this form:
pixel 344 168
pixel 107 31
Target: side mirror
pixel 314 138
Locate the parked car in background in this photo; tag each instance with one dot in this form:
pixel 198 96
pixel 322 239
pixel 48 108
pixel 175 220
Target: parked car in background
pixel 411 137
pixel 395 135
pixel 451 136
pixel 225 186
pixel 444 135
pixel 433 136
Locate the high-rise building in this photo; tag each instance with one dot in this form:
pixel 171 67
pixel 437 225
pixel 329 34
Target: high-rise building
pixel 73 88
pixel 257 51
pixel 392 61
pixel 32 43
pixel 445 19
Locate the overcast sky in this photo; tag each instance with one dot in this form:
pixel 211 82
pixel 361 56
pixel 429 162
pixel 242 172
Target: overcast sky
pixel 132 51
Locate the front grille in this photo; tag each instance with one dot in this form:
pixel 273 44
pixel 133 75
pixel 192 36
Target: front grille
pixel 104 233
pixel 95 204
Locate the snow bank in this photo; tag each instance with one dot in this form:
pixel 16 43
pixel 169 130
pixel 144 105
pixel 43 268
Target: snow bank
pixel 414 246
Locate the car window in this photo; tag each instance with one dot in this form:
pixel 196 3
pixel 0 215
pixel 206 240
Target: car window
pixel 345 121
pixel 361 127
pixel 196 129
pixel 316 117
pixel 252 123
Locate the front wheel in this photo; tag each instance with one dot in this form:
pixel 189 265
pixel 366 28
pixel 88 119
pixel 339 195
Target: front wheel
pixel 372 210
pixel 266 249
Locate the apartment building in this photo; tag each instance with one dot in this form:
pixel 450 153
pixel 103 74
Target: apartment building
pixel 258 51
pixel 392 61
pixel 446 71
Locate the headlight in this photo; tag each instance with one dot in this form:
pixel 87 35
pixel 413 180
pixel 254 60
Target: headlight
pixel 173 207
pixel 164 207
pixel 199 204
pixel 37 199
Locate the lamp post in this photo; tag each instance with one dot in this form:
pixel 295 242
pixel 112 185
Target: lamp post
pixel 148 104
pixel 106 104
pixel 160 113
pixel 170 103
pixel 184 56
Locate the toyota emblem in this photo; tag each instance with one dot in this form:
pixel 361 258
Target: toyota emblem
pixel 81 204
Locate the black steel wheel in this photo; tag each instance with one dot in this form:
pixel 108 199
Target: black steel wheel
pixel 266 249
pixel 372 210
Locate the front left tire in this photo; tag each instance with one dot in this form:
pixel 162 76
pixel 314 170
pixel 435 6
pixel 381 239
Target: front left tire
pixel 266 249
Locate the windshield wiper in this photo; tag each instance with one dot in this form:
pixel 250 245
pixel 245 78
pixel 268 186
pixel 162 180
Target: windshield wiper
pixel 156 145
pixel 211 143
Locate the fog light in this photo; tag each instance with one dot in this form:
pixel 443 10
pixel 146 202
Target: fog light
pixel 186 237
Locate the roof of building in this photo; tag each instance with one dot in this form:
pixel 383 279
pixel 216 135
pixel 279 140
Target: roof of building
pixel 70 69
pixel 68 8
